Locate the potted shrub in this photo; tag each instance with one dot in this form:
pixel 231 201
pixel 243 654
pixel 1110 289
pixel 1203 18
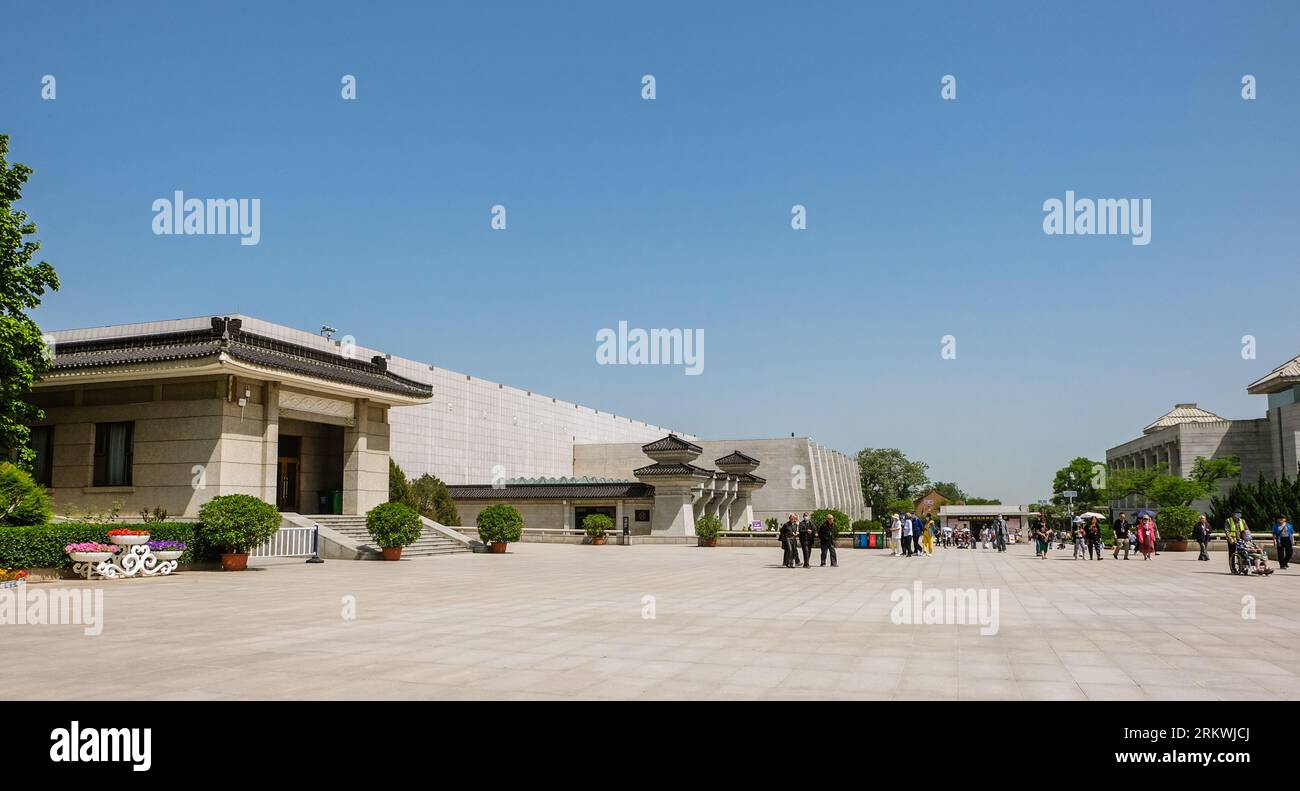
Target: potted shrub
pixel 597 525
pixel 707 529
pixel 1175 523
pixel 232 524
pixel 393 526
pixel 498 525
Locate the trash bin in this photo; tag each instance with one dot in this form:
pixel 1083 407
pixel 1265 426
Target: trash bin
pixel 860 540
pixel 877 540
pixel 338 502
pixel 325 503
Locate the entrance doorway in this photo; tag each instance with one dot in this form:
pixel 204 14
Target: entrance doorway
pixel 288 473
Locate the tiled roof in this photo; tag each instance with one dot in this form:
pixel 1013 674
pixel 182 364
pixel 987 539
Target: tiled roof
pixel 1280 378
pixel 736 457
pixel 553 491
pixel 243 346
pixel 682 468
pixel 671 442
pixel 1183 413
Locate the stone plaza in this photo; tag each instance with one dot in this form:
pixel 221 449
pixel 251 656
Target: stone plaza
pixel 551 621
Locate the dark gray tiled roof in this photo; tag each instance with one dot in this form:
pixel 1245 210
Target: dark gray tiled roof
pixel 553 491
pixel 673 469
pixel 671 442
pixel 736 457
pixel 243 346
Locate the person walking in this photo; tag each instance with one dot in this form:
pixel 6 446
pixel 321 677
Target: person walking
pixel 1202 535
pixel 1282 541
pixel 1076 533
pixel 917 529
pixel 896 534
pixel 789 532
pixel 826 537
pixel 1092 535
pixel 1121 535
pixel 1232 530
pixel 1146 536
pixel 907 536
pixel 806 533
pixel 1000 534
pixel 1042 539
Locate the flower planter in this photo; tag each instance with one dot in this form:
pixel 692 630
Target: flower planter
pixel 234 561
pixel 169 554
pixel 392 553
pixel 708 542
pixel 497 547
pixel 129 541
pixel 598 540
pixel 90 557
pixel 1174 545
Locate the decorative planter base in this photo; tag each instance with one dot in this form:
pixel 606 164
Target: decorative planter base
pixel 497 547
pixel 134 560
pixel 234 561
pixel 598 541
pixel 392 553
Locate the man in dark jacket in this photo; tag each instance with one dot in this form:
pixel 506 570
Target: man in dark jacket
pixel 1121 535
pixel 806 533
pixel 789 535
pixel 826 537
pixel 1202 535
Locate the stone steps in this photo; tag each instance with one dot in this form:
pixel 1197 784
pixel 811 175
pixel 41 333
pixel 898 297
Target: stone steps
pixel 430 544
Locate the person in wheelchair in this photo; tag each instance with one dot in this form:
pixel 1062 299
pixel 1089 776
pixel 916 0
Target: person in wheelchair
pixel 1250 556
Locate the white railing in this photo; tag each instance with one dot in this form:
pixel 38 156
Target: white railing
pixel 288 542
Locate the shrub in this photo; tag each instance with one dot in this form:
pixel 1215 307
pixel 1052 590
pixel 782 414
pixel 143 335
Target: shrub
pixel 430 497
pixel 41 546
pixel 865 526
pixel 22 501
pixel 1175 522
pixel 707 527
pixel 500 523
pixel 236 523
pixel 772 523
pixel 394 525
pixel 597 525
pixel 841 519
pixel 1260 503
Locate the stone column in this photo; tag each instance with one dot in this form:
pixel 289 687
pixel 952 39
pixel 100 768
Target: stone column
pixel 270 441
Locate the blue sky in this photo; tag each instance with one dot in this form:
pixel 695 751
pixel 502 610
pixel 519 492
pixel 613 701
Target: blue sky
pixel 924 216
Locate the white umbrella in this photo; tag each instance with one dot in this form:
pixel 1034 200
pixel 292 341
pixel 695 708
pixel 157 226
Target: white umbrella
pixel 1091 514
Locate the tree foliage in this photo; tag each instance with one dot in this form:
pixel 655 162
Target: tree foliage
pixel 888 475
pixel 1259 503
pixel 23 354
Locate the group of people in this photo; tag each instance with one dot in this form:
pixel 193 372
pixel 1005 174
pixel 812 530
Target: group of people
pixel 911 537
pixel 797 536
pixel 1087 540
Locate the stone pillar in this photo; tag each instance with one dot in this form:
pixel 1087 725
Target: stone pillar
pixel 365 462
pixel 270 441
pixel 674 511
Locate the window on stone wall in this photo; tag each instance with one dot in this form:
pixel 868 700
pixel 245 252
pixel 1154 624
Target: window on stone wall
pixel 41 442
pixel 114 449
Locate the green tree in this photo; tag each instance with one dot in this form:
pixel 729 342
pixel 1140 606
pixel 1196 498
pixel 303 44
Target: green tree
pixel 399 488
pixel 1082 475
pixel 950 491
pixel 981 501
pixel 430 497
pixel 889 475
pixel 23 355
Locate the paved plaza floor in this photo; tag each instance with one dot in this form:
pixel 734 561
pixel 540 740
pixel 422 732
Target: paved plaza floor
pixel 560 621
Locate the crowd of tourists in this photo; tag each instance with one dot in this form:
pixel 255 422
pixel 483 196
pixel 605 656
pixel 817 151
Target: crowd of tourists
pixel 797 536
pixel 910 536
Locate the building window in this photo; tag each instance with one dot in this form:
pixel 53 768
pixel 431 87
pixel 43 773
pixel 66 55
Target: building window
pixel 114 447
pixel 42 443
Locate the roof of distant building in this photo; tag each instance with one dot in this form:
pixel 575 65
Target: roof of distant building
pixel 1183 413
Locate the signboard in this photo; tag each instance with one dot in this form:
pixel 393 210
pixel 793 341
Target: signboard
pixel 1070 495
pixel 756 525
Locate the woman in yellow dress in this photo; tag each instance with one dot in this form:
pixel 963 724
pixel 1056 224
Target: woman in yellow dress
pixel 927 538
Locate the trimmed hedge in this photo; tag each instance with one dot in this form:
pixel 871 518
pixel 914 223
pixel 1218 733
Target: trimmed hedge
pixel 842 524
pixel 41 546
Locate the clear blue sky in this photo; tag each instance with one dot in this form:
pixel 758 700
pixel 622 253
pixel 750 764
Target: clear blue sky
pixel 925 216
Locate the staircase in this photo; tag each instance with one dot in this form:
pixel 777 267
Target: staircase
pixel 431 542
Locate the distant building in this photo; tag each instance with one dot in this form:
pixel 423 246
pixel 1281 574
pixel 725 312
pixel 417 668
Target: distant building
pixel 928 504
pixel 1266 446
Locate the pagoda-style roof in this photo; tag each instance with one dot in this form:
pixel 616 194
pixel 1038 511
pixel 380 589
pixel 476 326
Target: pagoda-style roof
pixel 736 459
pixel 225 347
pixel 663 470
pixel 1281 378
pixel 672 442
pixel 1183 413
